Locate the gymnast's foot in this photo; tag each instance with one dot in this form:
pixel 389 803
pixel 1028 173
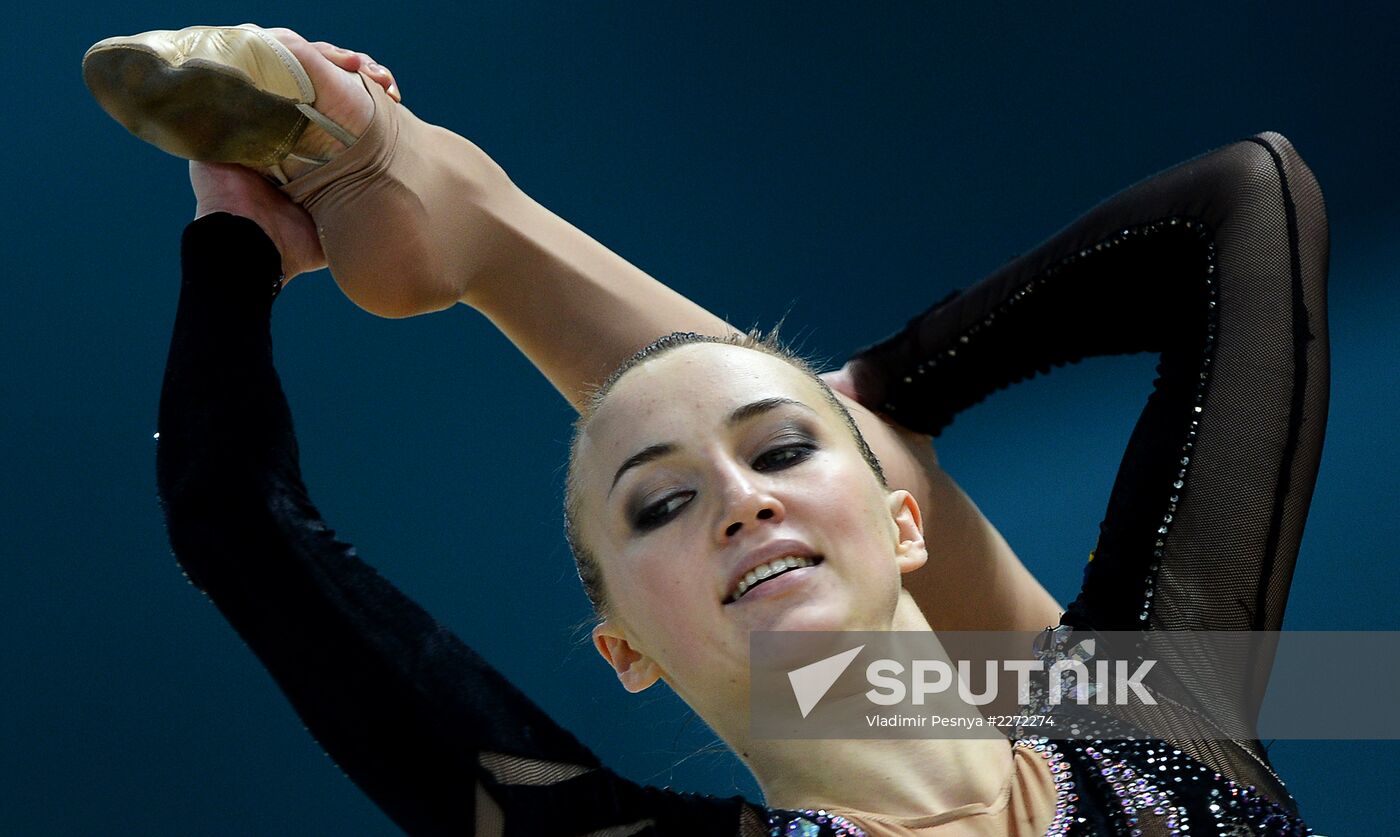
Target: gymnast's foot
pixel 267 99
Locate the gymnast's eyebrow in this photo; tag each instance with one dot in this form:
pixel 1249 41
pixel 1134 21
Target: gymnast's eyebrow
pixel 758 408
pixel 645 455
pixel 740 415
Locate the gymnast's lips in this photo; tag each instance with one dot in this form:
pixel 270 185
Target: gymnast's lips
pixel 762 555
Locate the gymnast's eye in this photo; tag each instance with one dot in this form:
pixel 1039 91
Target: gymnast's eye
pixel 661 511
pixel 784 456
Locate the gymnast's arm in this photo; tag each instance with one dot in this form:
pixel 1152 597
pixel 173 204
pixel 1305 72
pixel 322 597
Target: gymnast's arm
pixel 1219 266
pixel 428 729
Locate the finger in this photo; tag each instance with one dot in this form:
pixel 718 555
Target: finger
pixel 840 380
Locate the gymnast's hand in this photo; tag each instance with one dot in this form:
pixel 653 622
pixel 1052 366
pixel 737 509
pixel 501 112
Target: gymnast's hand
pixel 224 187
pixel 915 466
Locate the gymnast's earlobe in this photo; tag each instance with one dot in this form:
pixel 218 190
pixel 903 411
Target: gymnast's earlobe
pixel 635 670
pixel 911 552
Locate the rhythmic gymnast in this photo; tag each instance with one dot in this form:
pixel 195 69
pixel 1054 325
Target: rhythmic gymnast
pixel 716 484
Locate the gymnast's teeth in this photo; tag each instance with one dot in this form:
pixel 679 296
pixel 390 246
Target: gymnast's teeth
pixel 763 572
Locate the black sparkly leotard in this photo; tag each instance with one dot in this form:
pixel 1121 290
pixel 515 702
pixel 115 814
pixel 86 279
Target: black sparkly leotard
pixel 1219 265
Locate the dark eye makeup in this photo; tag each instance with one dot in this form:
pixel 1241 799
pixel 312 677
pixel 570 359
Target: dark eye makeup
pixel 782 456
pixel 792 449
pixel 659 512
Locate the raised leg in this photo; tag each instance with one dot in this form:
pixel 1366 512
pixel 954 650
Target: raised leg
pixel 414 218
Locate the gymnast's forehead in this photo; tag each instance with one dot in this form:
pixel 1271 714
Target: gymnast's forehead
pixel 687 391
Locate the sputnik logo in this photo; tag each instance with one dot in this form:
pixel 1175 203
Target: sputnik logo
pixel 812 681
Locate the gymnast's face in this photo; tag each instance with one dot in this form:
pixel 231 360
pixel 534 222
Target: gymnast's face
pixel 698 464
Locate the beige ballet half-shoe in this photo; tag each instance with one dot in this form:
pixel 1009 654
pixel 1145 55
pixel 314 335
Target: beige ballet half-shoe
pixel 212 93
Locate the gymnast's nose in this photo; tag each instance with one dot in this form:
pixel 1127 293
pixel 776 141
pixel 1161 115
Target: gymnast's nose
pixel 749 502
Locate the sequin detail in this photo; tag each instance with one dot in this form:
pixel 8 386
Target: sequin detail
pixel 1148 779
pixel 809 824
pixel 1119 783
pixel 1066 796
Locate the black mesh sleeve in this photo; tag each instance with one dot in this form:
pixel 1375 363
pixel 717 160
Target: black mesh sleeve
pixel 1219 266
pixel 426 727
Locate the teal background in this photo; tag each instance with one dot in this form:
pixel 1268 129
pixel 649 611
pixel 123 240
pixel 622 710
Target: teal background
pixel 851 163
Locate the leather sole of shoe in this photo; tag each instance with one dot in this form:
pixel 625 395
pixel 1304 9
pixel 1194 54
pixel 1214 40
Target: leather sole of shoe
pixel 196 110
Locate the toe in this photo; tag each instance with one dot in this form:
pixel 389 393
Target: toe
pixel 379 74
pixel 343 58
pixel 286 36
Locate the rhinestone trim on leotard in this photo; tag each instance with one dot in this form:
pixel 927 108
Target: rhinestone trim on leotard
pixel 810 823
pixel 1136 778
pixel 1148 777
pixel 1066 795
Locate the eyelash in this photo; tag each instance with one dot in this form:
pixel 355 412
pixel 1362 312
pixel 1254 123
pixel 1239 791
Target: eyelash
pixel 656 515
pixel 803 449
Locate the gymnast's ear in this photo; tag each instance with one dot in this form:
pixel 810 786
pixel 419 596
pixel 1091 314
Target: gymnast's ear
pixel 636 670
pixel 911 552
